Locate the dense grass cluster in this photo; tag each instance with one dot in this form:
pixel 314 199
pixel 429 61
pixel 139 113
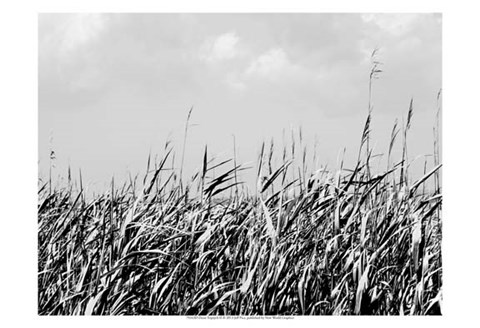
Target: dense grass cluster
pixel 347 242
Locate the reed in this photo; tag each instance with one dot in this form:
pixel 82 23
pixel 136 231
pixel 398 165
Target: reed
pixel 305 242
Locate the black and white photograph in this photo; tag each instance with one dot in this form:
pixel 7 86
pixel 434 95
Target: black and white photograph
pixel 240 164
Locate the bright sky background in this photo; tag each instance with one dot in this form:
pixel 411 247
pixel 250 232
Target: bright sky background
pixel 113 88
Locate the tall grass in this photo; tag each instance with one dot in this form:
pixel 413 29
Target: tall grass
pixel 305 242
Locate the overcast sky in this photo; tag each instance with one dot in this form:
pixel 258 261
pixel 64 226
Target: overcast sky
pixel 112 88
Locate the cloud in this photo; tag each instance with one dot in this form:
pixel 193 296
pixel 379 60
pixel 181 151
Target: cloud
pixel 69 71
pixel 395 24
pixel 222 47
pixel 235 81
pixel 63 35
pixel 80 29
pixel 270 64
